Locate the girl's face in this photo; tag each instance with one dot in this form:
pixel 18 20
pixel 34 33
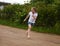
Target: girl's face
pixel 33 11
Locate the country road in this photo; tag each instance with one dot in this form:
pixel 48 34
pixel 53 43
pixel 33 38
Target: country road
pixel 10 36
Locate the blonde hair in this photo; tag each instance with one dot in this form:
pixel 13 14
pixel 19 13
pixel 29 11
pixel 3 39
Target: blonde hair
pixel 34 9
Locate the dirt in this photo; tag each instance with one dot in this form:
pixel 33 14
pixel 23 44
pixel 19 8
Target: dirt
pixel 10 36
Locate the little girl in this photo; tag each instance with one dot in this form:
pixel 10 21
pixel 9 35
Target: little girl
pixel 31 21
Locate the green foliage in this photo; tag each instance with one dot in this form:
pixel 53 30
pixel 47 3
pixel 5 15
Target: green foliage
pixel 49 1
pixel 45 1
pixel 48 15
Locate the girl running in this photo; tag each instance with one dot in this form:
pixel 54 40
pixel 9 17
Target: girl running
pixel 31 21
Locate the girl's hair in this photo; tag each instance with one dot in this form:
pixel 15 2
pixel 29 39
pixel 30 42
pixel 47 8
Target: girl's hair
pixel 34 9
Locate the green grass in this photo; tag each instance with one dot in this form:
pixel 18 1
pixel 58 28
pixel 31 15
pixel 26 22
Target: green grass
pixel 37 29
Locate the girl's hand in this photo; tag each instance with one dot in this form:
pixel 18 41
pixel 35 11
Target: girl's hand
pixel 32 16
pixel 24 20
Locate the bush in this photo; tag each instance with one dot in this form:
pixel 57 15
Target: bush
pixel 48 14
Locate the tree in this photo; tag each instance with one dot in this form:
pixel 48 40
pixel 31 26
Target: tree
pixel 49 1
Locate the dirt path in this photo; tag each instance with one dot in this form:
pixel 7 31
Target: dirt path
pixel 16 37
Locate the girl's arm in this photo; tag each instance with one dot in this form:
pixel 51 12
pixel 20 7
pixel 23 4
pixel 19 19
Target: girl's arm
pixel 26 17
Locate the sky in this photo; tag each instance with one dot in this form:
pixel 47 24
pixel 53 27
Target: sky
pixel 14 1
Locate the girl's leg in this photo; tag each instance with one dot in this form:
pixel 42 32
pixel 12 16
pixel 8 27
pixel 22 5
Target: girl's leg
pixel 29 29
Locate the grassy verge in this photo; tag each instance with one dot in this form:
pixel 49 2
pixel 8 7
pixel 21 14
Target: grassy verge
pixel 37 29
pixel 12 24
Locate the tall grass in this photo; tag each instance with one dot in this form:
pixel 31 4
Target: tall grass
pixel 53 30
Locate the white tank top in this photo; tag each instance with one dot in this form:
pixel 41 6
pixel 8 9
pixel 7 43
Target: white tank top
pixel 31 19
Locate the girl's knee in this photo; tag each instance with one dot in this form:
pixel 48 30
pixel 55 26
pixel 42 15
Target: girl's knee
pixel 29 26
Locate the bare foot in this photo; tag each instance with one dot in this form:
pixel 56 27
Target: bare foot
pixel 29 37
